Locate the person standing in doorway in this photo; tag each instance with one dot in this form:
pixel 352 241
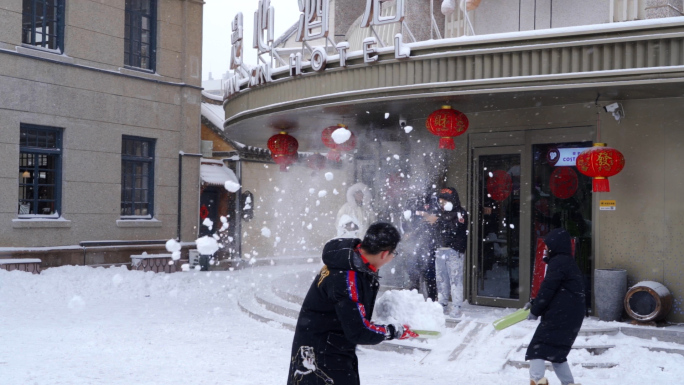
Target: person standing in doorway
pixel 452 231
pixel 337 310
pixel 560 304
pixel 356 214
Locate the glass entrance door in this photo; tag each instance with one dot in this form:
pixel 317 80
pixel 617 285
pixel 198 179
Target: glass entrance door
pixel 498 269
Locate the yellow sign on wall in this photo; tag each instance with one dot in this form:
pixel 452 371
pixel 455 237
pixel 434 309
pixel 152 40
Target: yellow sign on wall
pixel 607 205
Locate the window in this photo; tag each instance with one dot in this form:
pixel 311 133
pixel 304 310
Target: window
pixel 40 169
pixel 43 23
pixel 140 34
pixel 137 177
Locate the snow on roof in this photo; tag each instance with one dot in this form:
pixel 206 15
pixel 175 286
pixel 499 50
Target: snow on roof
pixel 214 113
pixel 215 173
pixel 211 96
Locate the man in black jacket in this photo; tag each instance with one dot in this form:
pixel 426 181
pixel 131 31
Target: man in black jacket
pixel 451 224
pixel 336 313
pixel 560 303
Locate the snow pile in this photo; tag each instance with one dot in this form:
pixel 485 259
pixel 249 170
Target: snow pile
pixel 341 135
pixel 409 308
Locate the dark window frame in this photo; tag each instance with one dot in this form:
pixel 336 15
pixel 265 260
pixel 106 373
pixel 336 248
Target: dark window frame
pixel 134 33
pixel 38 25
pixel 128 206
pixel 41 152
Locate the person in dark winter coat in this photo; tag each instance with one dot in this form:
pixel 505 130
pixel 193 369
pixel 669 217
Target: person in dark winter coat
pixel 337 310
pixel 451 230
pixel 560 304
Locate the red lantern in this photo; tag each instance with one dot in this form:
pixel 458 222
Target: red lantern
pixel 316 162
pixel 283 149
pixel 499 185
pixel 563 182
pixel 447 123
pixel 204 212
pixel 600 162
pixel 335 149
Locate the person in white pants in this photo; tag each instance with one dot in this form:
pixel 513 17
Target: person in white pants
pixel 451 225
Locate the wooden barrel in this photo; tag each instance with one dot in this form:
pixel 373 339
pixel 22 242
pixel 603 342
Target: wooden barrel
pixel 648 301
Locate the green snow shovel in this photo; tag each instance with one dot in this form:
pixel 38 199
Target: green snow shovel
pixel 511 319
pixel 427 333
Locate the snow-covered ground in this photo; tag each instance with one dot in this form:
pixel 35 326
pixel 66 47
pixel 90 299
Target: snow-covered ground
pixel 82 325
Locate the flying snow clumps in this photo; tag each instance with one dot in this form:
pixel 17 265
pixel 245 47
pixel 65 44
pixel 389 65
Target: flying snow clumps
pixel 329 176
pixel 322 193
pixel 206 245
pixel 312 190
pixel 341 135
pixel 409 308
pixel 231 186
pixel 208 222
pixel 448 206
pixel 408 129
pixel 407 214
pixel 266 232
pixel 174 248
pixel 225 225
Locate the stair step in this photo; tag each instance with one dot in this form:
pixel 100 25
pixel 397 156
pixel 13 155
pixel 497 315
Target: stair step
pixel 667 350
pixel 593 349
pixel 586 365
pixel 272 305
pixel 249 305
pixel 609 331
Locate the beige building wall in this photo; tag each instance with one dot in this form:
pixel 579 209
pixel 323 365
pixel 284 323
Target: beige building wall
pixel 300 221
pixel 87 92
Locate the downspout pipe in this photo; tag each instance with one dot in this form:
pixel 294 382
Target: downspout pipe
pixel 181 154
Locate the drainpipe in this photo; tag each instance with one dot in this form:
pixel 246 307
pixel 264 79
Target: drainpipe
pixel 181 154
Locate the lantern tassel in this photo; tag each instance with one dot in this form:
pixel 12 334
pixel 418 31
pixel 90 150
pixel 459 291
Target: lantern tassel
pixel 334 155
pixel 447 142
pixel 601 184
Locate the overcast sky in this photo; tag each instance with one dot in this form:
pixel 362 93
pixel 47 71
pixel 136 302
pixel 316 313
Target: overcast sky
pixel 218 14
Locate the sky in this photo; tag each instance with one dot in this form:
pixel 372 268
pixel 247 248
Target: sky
pixel 218 14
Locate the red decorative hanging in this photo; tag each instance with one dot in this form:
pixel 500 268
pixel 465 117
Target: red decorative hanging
pixel 499 185
pixel 316 162
pixel 204 212
pixel 600 162
pixel 447 123
pixel 336 149
pixel 563 182
pixel 283 149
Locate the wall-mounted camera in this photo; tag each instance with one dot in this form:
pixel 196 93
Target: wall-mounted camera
pixel 616 110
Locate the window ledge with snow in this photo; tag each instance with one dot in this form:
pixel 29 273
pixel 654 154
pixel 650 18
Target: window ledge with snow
pixel 39 222
pixel 138 222
pixel 45 53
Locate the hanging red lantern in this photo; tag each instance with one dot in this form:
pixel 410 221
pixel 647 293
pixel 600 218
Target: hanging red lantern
pixel 447 123
pixel 499 185
pixel 600 162
pixel 283 149
pixel 316 162
pixel 563 182
pixel 204 212
pixel 336 149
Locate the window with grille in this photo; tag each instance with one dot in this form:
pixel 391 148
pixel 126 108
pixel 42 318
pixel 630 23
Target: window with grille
pixel 140 34
pixel 40 171
pixel 137 177
pixel 43 23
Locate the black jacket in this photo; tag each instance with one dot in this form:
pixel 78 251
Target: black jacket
pixel 334 318
pixel 560 302
pixel 452 230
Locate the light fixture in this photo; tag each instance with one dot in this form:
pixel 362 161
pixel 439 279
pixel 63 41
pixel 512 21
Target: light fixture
pixel 26 174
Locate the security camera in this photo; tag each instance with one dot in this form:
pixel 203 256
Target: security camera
pixel 402 122
pixel 612 107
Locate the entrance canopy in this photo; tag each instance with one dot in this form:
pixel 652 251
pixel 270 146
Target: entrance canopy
pixel 215 173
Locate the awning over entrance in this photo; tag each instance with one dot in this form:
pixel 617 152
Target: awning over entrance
pixel 215 173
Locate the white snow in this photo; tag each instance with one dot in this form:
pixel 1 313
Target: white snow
pixel 407 214
pixel 448 206
pixel 81 326
pixel 409 308
pixel 408 129
pixel 206 245
pixel 174 247
pixel 208 223
pixel 232 186
pixel 322 193
pixel 341 135
pixel 328 176
pixel 266 232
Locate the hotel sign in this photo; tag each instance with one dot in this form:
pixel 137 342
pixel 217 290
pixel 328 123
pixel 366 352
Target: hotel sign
pixel 313 25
